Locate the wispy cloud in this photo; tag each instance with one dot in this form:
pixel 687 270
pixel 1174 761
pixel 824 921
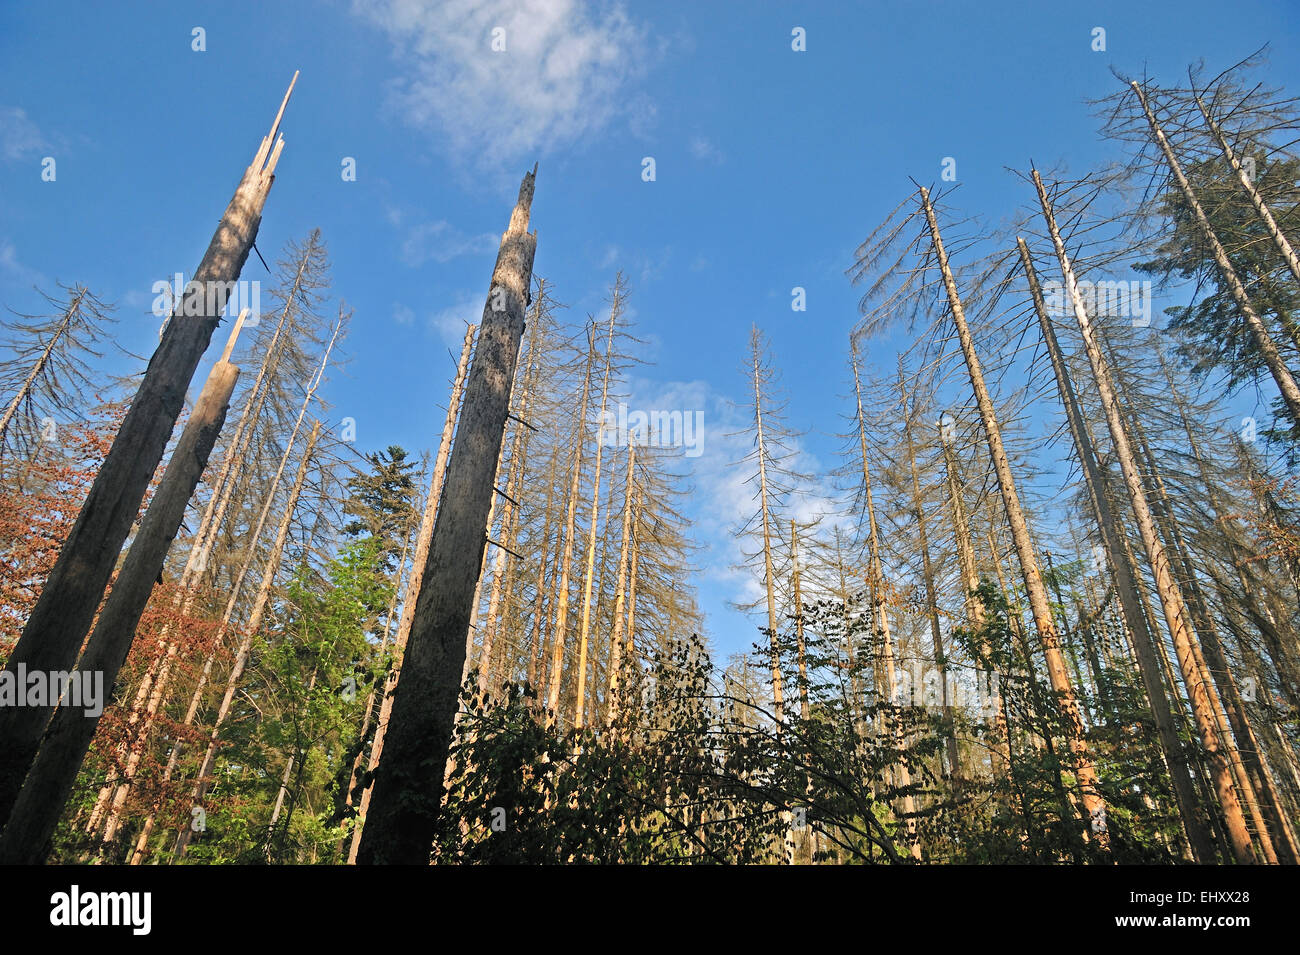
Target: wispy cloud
pixel 564 73
pixel 19 136
pixel 12 270
pixel 441 242
pixel 703 148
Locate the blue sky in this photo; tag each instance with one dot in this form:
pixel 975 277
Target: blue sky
pixel 771 166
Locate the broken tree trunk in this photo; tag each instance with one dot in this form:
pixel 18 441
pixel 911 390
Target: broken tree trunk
pixel 63 748
pixel 422 543
pixel 408 782
pixel 54 631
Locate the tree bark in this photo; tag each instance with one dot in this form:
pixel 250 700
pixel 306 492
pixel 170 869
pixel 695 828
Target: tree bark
pixel 53 634
pixel 1108 528
pixel 1171 600
pixel 1039 604
pixel 54 772
pixel 413 586
pixel 408 785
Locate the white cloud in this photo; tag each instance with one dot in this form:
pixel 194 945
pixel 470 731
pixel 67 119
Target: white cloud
pixel 441 242
pixel 702 148
pixel 402 314
pixel 13 270
pixel 563 76
pixel 19 137
pixel 450 322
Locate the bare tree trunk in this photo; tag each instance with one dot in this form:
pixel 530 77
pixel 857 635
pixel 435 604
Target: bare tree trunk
pixel 251 630
pixel 1256 200
pixel 1259 332
pixel 798 622
pixel 1191 814
pixel 616 634
pixel 886 679
pixel 415 582
pixel 196 697
pixel 580 705
pixel 25 389
pixel 927 574
pixel 1039 605
pixel 408 783
pixel 1171 599
pixel 149 696
pixel 769 582
pixel 566 559
pixel 53 634
pixel 54 771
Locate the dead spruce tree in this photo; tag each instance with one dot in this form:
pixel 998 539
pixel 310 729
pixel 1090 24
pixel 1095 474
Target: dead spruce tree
pixel 408 782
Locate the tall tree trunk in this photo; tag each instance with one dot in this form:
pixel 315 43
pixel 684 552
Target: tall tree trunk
pixel 1108 528
pixel 63 749
pixel 1261 208
pixel 616 662
pixel 422 542
pixel 769 581
pixel 408 785
pixel 1039 605
pixel 1171 600
pixel 798 623
pixel 886 679
pixel 927 574
pixel 566 559
pixel 57 625
pixel 579 709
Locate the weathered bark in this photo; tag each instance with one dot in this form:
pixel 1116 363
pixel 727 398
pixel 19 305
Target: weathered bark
pixel 1171 600
pixel 1039 605
pixel 1268 350
pixel 63 749
pixel 1190 812
pixel 408 784
pixel 53 634
pixel 416 580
